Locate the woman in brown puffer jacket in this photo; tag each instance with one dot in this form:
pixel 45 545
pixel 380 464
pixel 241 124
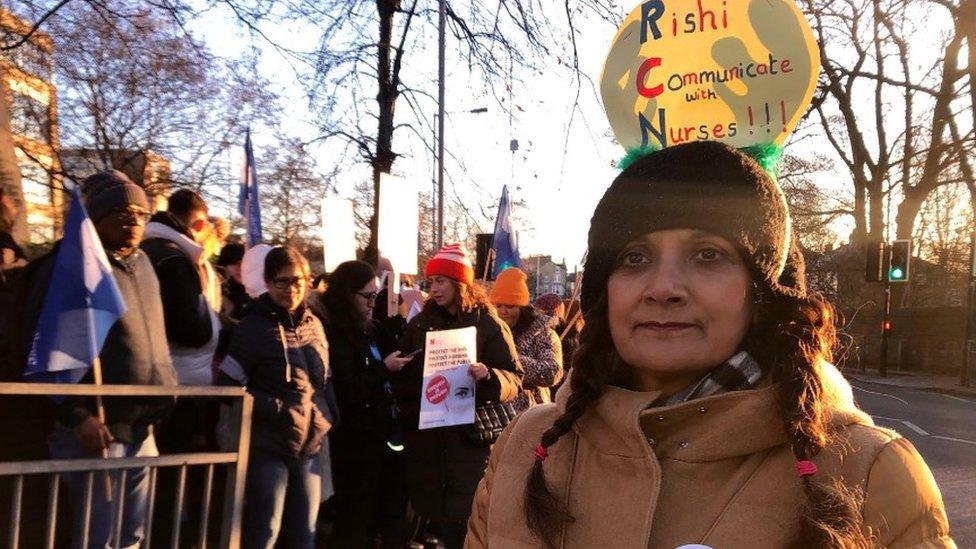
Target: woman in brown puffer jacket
pixel 702 408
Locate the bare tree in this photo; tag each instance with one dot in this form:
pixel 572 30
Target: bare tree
pixel 291 193
pixel 131 80
pixel 904 142
pixel 813 209
pixel 944 224
pixel 493 38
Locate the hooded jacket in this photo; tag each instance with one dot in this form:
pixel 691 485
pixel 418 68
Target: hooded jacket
pixel 134 352
pixel 443 467
pixel 541 355
pixel 192 325
pixel 294 407
pixel 715 471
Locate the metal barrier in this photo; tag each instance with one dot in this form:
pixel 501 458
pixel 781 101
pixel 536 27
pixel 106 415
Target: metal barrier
pixel 236 463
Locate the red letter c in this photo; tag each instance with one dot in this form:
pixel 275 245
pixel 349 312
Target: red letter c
pixel 645 67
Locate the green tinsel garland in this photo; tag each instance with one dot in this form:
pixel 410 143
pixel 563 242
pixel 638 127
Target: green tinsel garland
pixel 767 155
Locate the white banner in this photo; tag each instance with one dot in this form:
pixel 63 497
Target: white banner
pixel 399 223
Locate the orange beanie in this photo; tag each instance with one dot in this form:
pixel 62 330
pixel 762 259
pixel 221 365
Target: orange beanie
pixel 510 288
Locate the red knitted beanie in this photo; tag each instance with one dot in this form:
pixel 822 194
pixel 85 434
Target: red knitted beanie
pixel 453 262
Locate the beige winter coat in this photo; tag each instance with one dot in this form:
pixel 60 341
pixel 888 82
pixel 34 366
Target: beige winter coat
pixel 715 471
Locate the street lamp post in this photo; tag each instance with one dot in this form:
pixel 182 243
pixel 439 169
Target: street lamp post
pixel 441 26
pixel 439 161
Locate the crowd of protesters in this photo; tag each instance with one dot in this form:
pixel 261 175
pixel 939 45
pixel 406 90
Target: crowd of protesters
pixel 336 457
pixel 701 409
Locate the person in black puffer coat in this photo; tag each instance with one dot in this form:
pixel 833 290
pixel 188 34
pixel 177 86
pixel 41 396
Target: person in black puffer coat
pixel 370 498
pixel 443 465
pixel 280 355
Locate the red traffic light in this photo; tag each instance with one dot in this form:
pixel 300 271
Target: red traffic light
pixel 886 326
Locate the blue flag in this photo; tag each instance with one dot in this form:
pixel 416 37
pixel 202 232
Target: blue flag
pixel 81 305
pixel 503 243
pixel 248 204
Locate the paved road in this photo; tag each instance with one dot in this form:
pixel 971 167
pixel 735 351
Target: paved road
pixel 943 428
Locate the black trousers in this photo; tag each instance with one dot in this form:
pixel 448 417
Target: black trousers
pixel 370 498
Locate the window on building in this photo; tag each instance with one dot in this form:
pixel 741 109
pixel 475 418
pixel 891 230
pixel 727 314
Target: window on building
pixel 35 180
pixel 32 60
pixel 40 226
pixel 30 118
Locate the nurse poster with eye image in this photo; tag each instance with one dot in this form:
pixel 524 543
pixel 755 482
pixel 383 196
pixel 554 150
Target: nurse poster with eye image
pixel 447 392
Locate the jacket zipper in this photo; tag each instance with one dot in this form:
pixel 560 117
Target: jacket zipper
pixel 307 418
pixel 145 324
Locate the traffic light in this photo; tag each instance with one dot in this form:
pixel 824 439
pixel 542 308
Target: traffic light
pixel 874 260
pixel 886 326
pixel 900 261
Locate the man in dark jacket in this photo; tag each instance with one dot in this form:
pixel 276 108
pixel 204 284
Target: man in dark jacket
pixel 132 355
pixel 173 244
pixel 178 258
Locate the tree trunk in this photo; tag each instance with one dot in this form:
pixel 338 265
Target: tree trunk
pixel 860 235
pixel 876 222
pixel 386 97
pixel 933 166
pixel 908 212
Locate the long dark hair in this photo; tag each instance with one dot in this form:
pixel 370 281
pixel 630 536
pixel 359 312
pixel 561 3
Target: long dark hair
pixel 790 339
pixel 341 311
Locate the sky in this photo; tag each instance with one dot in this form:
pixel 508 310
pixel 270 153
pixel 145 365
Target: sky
pixel 565 158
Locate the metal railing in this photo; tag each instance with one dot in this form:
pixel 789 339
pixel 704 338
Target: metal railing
pixel 236 463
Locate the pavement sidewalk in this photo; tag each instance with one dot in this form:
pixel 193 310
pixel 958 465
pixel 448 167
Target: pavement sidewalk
pixel 918 382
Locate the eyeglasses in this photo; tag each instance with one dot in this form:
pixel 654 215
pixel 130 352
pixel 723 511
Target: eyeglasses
pixel 284 282
pixel 136 214
pixel 368 296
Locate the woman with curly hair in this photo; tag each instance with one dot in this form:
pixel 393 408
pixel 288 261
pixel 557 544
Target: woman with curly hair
pixel 444 465
pixel 702 407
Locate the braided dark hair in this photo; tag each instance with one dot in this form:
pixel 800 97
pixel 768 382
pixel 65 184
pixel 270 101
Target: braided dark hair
pixel 791 339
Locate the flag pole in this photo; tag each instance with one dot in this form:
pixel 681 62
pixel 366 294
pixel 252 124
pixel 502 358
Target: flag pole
pixel 491 255
pixel 100 411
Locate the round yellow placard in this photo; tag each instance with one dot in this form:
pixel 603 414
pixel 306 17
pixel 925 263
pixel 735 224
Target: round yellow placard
pixel 738 71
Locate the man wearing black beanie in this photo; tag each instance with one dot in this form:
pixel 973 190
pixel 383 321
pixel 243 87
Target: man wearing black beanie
pixel 132 355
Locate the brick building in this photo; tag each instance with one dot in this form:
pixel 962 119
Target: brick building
pixel 27 88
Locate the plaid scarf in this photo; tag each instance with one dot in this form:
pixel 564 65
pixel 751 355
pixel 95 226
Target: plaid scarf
pixel 735 374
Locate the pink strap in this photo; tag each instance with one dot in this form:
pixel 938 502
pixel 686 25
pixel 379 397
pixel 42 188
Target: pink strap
pixel 541 452
pixel 806 468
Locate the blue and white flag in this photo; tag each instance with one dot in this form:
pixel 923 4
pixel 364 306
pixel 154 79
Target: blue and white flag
pixel 504 245
pixel 248 204
pixel 81 305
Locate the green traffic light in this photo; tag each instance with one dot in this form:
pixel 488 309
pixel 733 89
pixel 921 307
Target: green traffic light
pixel 896 274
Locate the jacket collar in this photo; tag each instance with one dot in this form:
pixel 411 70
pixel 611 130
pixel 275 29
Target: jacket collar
pixel 437 318
pixel 623 423
pixel 540 323
pixel 266 308
pixel 169 228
